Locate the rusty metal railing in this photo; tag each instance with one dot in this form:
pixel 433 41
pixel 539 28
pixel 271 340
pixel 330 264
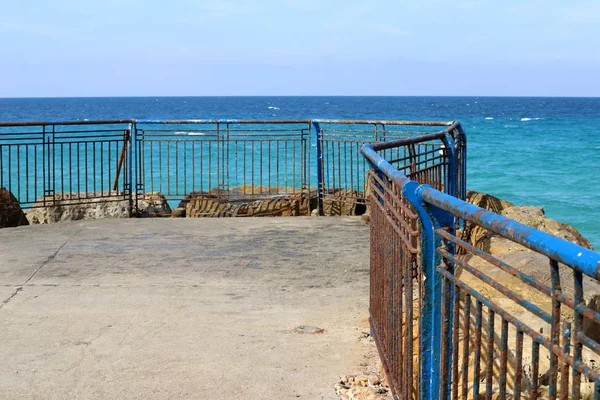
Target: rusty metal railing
pixel 341 167
pixel 63 163
pixel 67 163
pixel 230 159
pixel 486 324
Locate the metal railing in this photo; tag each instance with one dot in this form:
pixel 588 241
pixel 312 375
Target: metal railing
pixel 67 163
pixel 45 164
pixel 480 323
pixel 230 159
pixel 340 165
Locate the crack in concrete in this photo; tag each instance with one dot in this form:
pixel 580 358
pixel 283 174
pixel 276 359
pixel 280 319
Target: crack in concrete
pixel 50 258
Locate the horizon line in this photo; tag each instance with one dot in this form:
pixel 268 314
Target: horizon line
pixel 286 95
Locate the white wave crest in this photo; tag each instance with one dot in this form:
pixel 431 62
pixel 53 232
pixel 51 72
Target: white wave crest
pixel 274 108
pixel 531 119
pixel 189 133
pixel 489 118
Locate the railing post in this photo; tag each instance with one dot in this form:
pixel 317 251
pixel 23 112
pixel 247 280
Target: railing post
pixel 430 330
pixel 460 139
pixel 129 166
pixel 451 176
pixel 137 161
pixel 320 185
pixel 434 373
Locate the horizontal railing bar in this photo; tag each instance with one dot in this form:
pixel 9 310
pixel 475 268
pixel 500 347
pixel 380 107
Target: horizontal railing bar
pixel 407 141
pixel 95 122
pixel 535 336
pixel 383 122
pixel 498 286
pixel 222 121
pixel 577 257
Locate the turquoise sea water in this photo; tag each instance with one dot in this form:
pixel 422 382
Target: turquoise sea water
pixel 534 151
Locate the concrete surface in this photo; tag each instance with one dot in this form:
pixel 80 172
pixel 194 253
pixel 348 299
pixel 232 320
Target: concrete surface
pixel 181 308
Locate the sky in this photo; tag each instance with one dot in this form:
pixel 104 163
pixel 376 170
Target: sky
pixel 64 48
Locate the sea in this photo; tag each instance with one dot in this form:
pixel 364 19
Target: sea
pixel 537 151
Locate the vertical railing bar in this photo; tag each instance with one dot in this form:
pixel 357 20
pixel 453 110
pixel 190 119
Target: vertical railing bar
pixel 564 373
pixel 518 373
pixel 578 325
pixel 535 370
pixel 503 358
pixel 555 326
pixel 319 144
pixel 455 355
pixel 477 345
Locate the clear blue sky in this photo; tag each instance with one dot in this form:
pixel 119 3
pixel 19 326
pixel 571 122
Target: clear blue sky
pixel 299 47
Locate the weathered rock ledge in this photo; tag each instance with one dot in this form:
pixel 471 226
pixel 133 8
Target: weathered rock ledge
pixel 11 214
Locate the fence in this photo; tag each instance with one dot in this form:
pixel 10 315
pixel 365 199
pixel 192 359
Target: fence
pixel 64 163
pixel 341 167
pixel 229 159
pixel 455 324
pixel 44 164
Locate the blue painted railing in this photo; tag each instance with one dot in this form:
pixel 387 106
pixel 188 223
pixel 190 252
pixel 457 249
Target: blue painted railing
pixel 428 283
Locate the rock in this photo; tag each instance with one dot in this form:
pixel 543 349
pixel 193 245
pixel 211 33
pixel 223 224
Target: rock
pixel 11 214
pixel 312 330
pixel 153 204
pixel 77 206
pixel 342 202
pixel 178 212
pixel 85 206
pixel 536 218
pixel 474 234
pixel 366 217
pixel 374 381
pixel 209 205
pixel 531 216
pixel 487 201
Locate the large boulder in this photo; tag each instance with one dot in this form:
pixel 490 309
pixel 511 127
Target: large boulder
pixel 11 214
pixel 77 206
pixel 153 204
pixel 534 217
pixel 206 205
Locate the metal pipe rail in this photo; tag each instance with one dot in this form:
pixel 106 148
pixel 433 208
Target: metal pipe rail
pixel 72 162
pixel 483 324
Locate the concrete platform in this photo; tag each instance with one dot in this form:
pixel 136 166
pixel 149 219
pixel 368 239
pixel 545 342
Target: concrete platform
pixel 181 309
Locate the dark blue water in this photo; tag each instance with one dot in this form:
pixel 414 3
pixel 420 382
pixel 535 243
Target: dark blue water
pixel 534 151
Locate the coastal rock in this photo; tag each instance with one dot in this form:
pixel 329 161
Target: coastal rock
pixel 531 216
pixel 11 214
pixel 343 202
pixel 474 234
pixel 203 204
pixel 98 205
pixel 178 212
pixel 153 204
pixel 535 217
pixel 77 206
